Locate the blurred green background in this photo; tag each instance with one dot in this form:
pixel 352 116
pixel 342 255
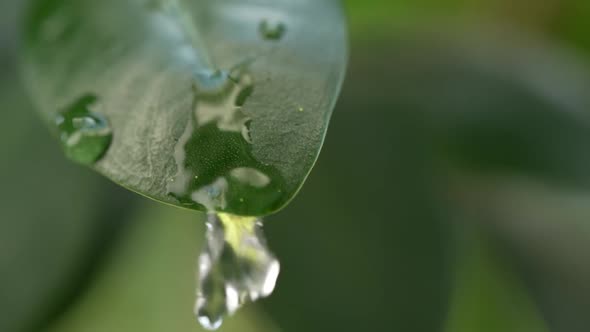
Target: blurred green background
pixel 451 194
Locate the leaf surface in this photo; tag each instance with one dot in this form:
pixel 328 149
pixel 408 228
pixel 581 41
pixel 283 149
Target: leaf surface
pixel 209 105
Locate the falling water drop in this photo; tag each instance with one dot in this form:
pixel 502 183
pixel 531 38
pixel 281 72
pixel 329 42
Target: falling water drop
pixel 235 267
pixel 85 134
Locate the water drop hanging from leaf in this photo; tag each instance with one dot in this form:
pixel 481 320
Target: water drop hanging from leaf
pixel 196 110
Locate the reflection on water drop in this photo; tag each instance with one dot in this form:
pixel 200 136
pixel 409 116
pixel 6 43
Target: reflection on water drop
pixel 212 196
pixel 205 322
pixel 212 82
pixel 244 95
pixel 235 267
pixel 246 132
pixel 85 134
pixel 272 30
pixel 250 176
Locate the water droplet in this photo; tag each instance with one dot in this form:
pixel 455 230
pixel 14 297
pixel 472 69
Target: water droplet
pixel 272 30
pixel 235 267
pixel 219 98
pixel 85 134
pixel 217 146
pixel 300 109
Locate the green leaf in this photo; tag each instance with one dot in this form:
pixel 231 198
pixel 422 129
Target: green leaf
pixel 212 105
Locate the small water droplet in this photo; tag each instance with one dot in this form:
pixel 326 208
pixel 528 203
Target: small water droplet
pixel 85 134
pixel 300 109
pixel 235 267
pixel 272 30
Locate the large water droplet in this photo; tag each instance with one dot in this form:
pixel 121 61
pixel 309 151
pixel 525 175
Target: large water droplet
pixel 85 134
pixel 272 30
pixel 235 267
pixel 216 170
